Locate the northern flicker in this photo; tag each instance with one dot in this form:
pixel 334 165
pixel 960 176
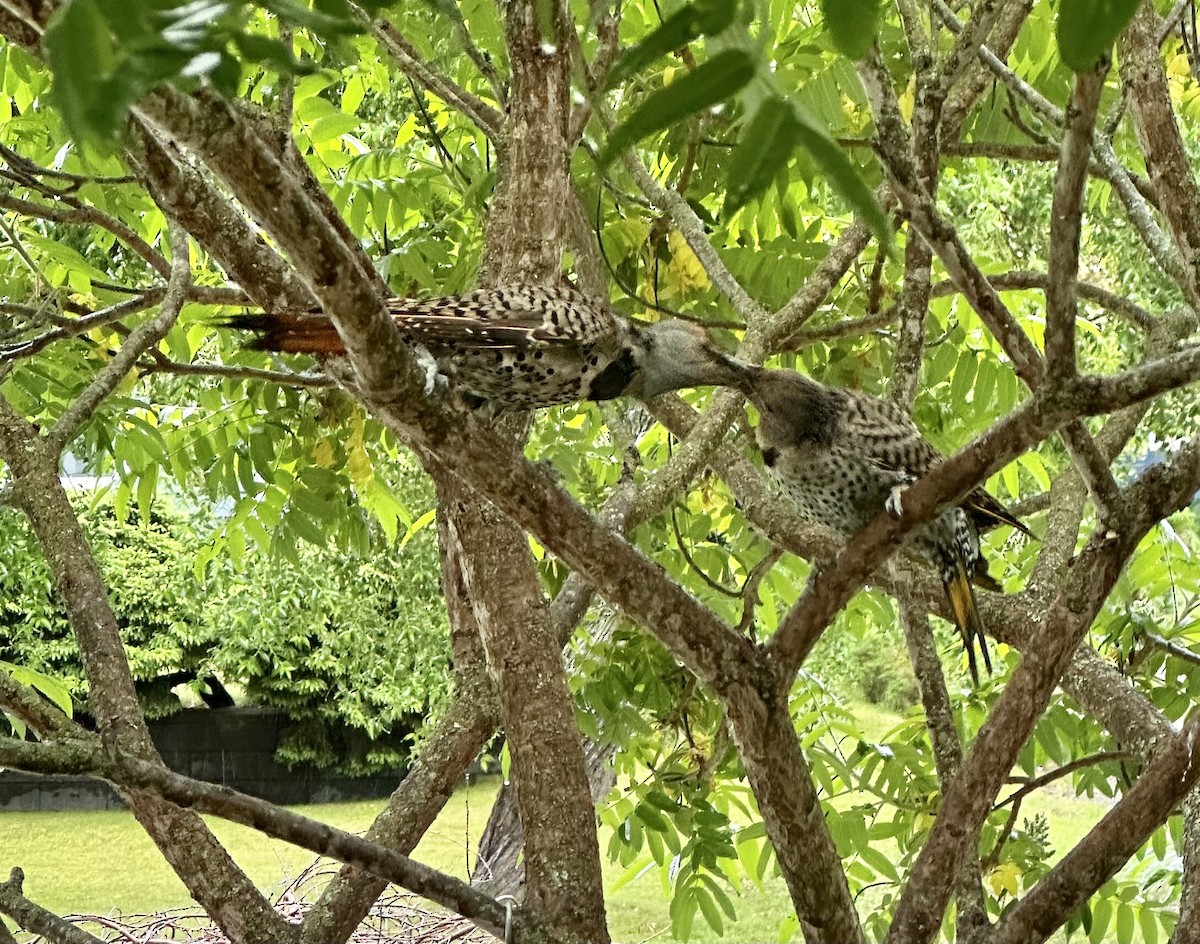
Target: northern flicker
pixel 527 347
pixel 842 456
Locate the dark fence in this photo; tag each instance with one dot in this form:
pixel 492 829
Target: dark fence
pixel 234 747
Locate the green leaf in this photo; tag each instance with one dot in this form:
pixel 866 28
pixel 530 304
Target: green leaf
pixel 964 377
pixel 1125 924
pixel 54 690
pixel 271 53
pixel 720 896
pixel 842 175
pixel 1086 29
pixel 330 127
pixel 708 907
pixel 852 24
pixel 1158 842
pixel 1148 922
pixel 763 151
pixel 682 910
pixel 336 22
pixel 88 89
pixel 702 18
pixel 712 82
pixel 881 863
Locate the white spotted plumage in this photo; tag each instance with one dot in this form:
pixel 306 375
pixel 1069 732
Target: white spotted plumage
pixel 528 346
pixel 841 456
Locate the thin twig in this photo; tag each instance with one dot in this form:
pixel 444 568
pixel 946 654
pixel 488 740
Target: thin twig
pixel 1020 279
pixel 692 565
pixel 21 164
pixel 1172 648
pixel 1066 222
pixel 749 592
pixel 82 214
pixel 1014 799
pixel 146 335
pixel 396 44
pixel 161 364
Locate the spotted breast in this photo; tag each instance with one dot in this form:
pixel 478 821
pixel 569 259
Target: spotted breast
pixel 841 457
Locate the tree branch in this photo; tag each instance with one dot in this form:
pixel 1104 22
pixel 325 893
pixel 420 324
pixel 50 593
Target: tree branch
pixel 1135 205
pixel 396 44
pixel 1066 216
pixel 81 214
pixel 36 919
pixel 1167 162
pixel 1019 279
pixel 1171 648
pixel 968 801
pixel 85 755
pixel 972 920
pixel 1171 772
pixel 159 363
pixel 210 875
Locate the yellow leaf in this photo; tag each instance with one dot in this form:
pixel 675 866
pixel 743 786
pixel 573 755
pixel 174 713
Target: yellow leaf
pixel 106 342
pixel 855 115
pixel 323 454
pixel 1178 66
pixel 359 465
pixel 908 99
pixel 685 269
pixel 407 131
pixel 357 428
pixel 1004 878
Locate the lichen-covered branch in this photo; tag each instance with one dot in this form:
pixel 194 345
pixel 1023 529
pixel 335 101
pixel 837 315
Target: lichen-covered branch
pixel 35 919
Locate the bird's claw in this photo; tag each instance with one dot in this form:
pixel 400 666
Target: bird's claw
pixel 894 503
pixel 434 378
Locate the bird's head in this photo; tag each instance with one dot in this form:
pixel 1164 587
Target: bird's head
pixel 791 407
pixel 674 354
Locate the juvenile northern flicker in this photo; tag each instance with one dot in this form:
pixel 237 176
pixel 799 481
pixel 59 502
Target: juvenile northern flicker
pixel 527 347
pixel 842 456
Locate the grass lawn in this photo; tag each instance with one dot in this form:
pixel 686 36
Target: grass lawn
pixel 99 862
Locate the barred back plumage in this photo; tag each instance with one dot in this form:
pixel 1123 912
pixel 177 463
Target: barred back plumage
pixel 526 346
pixel 841 456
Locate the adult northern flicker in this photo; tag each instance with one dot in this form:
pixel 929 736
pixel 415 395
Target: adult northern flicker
pixel 842 456
pixel 527 347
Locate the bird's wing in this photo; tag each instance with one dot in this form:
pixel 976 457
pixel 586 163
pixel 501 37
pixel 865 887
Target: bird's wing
pixel 892 441
pixel 506 317
pixel 886 435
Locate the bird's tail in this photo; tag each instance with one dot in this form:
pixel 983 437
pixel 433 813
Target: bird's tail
pixel 290 333
pixel 961 595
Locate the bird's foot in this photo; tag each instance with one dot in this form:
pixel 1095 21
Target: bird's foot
pixel 434 378
pixel 894 503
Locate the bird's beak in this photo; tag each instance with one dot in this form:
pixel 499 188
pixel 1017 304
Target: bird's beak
pixel 741 374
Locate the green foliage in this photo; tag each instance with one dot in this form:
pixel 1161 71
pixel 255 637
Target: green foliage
pixel 354 651
pixel 1086 29
pixel 852 24
pixel 52 689
pixel 158 605
pixel 883 675
pixel 709 83
pixel 107 54
pixel 316 587
pixel 701 18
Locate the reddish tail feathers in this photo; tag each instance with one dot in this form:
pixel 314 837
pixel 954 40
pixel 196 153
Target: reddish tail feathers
pixel 291 334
